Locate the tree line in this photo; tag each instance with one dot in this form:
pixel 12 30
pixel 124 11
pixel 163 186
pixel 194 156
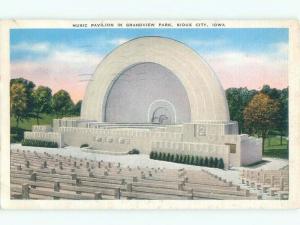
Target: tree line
pixel 259 112
pixel 28 101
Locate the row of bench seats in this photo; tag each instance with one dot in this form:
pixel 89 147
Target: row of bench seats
pixel 52 176
pixel 273 183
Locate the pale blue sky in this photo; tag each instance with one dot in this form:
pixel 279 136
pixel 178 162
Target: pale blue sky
pixel 101 41
pixel 240 57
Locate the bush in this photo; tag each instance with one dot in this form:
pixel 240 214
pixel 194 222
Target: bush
pixel 151 155
pixel 191 161
pixel 211 162
pixel 205 162
pixel 168 158
pixel 185 159
pixel 177 158
pixel 134 152
pixel 159 156
pixel 196 162
pixel 172 159
pixel 84 145
pixel 188 159
pixel 181 159
pixel 221 164
pixel 39 143
pixel 201 161
pixel 164 156
pixel 216 162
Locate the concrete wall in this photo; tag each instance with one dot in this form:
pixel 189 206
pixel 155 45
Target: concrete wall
pixel 251 150
pixel 213 138
pixel 41 128
pixel 115 139
pixel 45 136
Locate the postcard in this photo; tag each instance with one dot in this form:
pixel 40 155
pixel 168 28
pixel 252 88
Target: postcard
pixel 124 114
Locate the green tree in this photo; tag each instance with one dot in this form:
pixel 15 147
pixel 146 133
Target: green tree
pixel 77 108
pixel 26 95
pixel 282 123
pixel 42 101
pixel 282 97
pixel 261 115
pixel 238 99
pixel 18 102
pixel 273 93
pixel 62 103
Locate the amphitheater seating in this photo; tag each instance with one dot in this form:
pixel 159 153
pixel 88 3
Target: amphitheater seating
pixel 273 183
pixel 52 176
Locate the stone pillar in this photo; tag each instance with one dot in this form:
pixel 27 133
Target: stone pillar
pixel 98 196
pixel 117 193
pixel 25 191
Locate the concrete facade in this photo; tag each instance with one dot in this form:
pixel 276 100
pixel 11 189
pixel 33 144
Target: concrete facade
pixel 205 94
pixel 155 94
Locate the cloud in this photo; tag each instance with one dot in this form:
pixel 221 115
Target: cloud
pixel 118 41
pixel 241 69
pixel 31 47
pixel 60 69
pixel 206 43
pixel 281 48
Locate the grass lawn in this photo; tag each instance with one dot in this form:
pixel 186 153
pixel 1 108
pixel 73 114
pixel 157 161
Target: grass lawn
pixel 273 148
pixel 17 134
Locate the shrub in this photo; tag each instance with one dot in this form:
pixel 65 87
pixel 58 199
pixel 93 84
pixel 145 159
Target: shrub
pixel 177 158
pixel 211 162
pixel 164 156
pixel 181 159
pixel 184 159
pixel 196 161
pixel 221 164
pixel 188 159
pixel 172 158
pixel 84 145
pixel 216 161
pixel 133 152
pixel 205 162
pixel 159 156
pixel 168 157
pixel 201 161
pixel 192 159
pixel 39 143
pixel 151 155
